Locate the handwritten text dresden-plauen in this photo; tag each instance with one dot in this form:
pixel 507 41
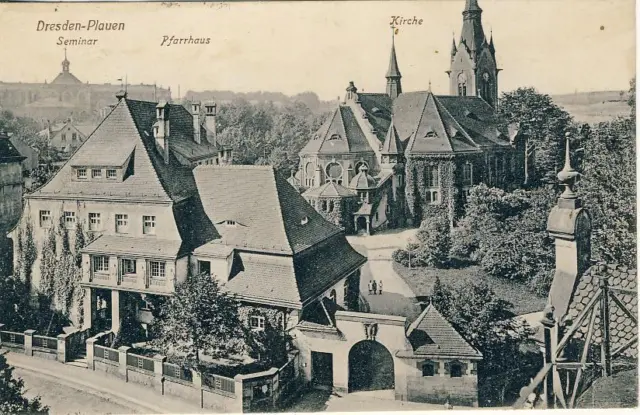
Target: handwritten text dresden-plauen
pixel 69 26
pixel 402 20
pixel 172 40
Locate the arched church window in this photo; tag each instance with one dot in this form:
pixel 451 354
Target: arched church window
pixel 309 170
pixel 332 295
pixel 462 84
pixel 334 171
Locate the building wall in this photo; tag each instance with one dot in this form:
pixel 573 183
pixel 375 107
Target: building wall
pixel 10 195
pixel 165 222
pixel 56 141
pixel 347 161
pixel 336 210
pixel 440 387
pixel 220 267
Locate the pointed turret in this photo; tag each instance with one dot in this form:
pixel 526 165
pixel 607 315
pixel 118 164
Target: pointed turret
pixel 472 5
pixel 454 49
pixel 394 86
pixel 472 33
pixel 392 144
pixel 65 62
pixel 492 48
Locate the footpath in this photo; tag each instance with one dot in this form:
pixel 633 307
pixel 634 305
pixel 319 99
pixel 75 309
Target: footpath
pixel 143 398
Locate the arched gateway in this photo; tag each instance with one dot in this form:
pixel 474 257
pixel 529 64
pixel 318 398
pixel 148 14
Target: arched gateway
pixel 370 367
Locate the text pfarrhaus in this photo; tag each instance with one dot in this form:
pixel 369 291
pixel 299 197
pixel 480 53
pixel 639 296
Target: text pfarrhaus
pixel 69 26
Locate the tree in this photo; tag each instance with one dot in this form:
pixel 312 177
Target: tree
pixel 48 259
pixel 486 322
pixel 543 123
pixel 433 245
pixel 608 187
pixel 200 319
pixel 505 232
pixel 269 346
pixel 12 398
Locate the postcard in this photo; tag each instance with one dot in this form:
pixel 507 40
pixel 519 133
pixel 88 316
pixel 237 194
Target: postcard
pixel 317 206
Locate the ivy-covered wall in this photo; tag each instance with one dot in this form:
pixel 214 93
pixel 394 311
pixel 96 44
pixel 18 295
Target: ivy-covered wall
pixel 341 213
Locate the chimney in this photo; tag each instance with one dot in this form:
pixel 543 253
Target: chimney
pixel 195 111
pixel 210 122
pixel 161 131
pixel 570 225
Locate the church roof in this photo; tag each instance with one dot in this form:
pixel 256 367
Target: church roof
pixel 266 212
pixel 446 124
pixel 623 284
pixel 432 335
pixel 66 78
pixel 330 189
pixel 340 134
pixel 127 134
pixel 472 35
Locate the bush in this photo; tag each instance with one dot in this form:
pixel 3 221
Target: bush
pixel 431 249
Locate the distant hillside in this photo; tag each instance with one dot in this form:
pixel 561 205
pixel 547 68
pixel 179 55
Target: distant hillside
pixel 310 99
pixel 594 107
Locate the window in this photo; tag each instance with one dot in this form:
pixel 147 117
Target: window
pixel 95 223
pixel 432 182
pixel 345 291
pixel 81 173
pixel 256 322
pixel 332 295
pixel 122 223
pixel 128 266
pixel 96 174
pixel 331 206
pixel 334 171
pixel 324 205
pixel 456 370
pixel 428 369
pixel 334 137
pixel 149 225
pixel 204 267
pixel 69 220
pixel 100 264
pixel 462 85
pixel 45 218
pixel 74 136
pixel 376 217
pixel 157 269
pixel 467 174
pixel 111 174
pixel 64 137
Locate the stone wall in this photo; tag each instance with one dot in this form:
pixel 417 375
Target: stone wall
pixel 441 386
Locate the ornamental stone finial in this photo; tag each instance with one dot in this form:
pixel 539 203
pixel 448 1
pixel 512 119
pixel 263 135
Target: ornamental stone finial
pixel 568 177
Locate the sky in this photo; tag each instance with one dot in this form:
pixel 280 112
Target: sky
pixel 556 46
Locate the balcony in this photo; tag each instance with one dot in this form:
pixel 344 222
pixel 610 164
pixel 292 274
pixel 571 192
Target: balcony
pixel 144 275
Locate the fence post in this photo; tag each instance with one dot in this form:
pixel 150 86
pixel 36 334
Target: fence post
pixel 1 326
pixel 239 394
pixel 90 362
pixel 158 362
pixel 63 346
pixel 122 358
pixel 28 342
pixel 197 383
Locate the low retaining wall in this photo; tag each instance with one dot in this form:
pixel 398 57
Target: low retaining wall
pixel 60 348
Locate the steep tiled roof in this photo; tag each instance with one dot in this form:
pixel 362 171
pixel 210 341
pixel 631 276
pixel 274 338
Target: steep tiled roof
pixel 127 131
pixel 292 281
pixel 445 124
pixel 340 134
pixel 378 110
pixel 432 335
pixel 623 284
pixel 267 213
pixel 8 152
pixel 330 189
pixel 150 246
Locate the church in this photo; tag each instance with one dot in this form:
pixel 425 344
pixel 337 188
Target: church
pixel 392 159
pixel 67 96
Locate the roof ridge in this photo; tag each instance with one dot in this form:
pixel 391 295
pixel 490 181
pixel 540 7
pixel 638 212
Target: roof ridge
pixel 344 127
pixel 73 153
pixel 412 139
pixel 273 176
pixel 434 309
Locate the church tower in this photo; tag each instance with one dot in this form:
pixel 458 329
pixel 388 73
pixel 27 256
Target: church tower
pixel 65 62
pixel 474 70
pixel 394 86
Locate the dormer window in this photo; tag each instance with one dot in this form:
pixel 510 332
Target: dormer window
pixel 160 113
pixel 334 137
pixel 230 222
pixel 376 110
pixel 430 133
pixel 96 174
pixel 304 220
pixel 112 174
pixel 81 173
pixel 470 114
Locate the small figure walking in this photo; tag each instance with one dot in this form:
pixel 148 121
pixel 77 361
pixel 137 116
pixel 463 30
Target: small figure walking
pixel 374 287
pixel 370 285
pixel 447 405
pixel 380 287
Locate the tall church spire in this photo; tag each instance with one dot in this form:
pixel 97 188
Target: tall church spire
pixel 394 86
